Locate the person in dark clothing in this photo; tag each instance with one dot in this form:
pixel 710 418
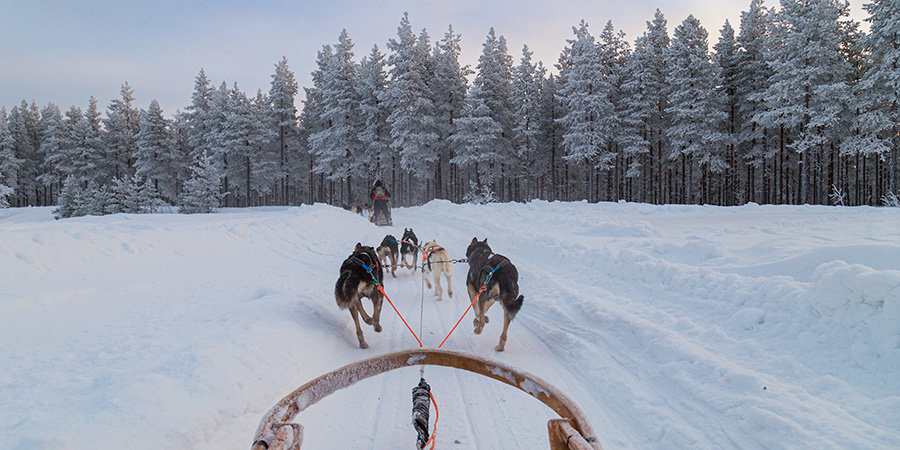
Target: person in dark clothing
pixel 380 197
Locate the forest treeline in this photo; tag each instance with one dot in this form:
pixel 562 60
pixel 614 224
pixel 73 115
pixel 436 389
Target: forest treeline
pixel 797 106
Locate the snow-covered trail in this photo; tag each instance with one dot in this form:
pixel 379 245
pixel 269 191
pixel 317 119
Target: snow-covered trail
pixel 672 327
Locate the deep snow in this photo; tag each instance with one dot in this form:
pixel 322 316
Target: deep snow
pixel 671 326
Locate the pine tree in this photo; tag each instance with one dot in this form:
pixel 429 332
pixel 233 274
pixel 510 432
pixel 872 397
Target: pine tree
pixel 477 144
pixel 586 95
pixel 24 129
pixel 201 192
pixel 9 164
pixel 155 159
pixel 879 95
pixel 53 136
pixel 528 79
pixel 122 125
pixel 196 115
pixel 283 115
pixel 726 59
pixel 492 86
pixel 449 87
pixel 374 136
pixel 409 97
pixel 750 95
pixel 695 108
pixel 337 147
pixel 642 108
pixel 808 92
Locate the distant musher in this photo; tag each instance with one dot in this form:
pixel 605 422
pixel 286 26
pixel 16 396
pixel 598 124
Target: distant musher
pixel 381 198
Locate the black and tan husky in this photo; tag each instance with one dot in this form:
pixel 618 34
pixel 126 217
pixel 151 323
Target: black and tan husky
pixel 389 251
pixel 409 245
pixel 355 282
pixel 503 285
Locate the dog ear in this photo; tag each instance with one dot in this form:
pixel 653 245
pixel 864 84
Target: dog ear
pixel 358 246
pixel 474 240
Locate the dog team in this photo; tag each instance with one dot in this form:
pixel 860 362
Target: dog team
pixel 491 278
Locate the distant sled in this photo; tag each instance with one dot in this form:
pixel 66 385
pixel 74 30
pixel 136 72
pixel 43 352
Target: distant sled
pixel 379 218
pixel 571 430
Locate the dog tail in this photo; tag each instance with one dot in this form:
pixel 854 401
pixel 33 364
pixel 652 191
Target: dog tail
pixel 515 305
pixel 343 292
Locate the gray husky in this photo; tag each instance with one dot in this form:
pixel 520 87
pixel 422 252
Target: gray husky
pixel 495 278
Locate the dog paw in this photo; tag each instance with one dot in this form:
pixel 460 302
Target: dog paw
pixel 499 348
pixel 377 328
pixel 487 319
pixel 363 345
pixel 367 320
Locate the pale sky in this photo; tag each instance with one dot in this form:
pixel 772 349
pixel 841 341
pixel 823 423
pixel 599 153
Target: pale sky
pixel 67 51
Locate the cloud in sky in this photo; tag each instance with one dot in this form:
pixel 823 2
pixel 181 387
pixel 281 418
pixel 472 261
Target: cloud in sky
pixel 65 52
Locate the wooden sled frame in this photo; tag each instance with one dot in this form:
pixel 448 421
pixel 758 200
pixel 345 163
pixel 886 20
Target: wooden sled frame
pixel 571 431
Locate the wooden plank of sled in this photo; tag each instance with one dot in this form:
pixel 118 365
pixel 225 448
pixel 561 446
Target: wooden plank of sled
pixel 563 436
pixel 310 393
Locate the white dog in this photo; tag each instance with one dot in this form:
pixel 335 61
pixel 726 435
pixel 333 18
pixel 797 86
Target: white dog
pixel 437 261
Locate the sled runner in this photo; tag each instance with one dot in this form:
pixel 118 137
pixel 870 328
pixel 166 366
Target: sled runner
pixel 571 431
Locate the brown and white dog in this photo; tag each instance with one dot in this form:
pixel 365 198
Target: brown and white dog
pixel 389 252
pixel 436 260
pixel 492 277
pixel 359 273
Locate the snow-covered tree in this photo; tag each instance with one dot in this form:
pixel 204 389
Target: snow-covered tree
pixel 84 157
pixel 202 192
pixel 122 124
pixel 408 98
pixel 528 79
pixel 337 147
pixel 477 143
pixel 196 115
pixel 53 136
pixel 449 87
pixel 155 158
pixel 374 136
pixel 586 95
pixel 808 92
pixel 9 164
pixel 879 89
pixel 726 59
pixel 24 128
pixel 695 108
pixel 283 116
pixel 750 95
pixel 492 86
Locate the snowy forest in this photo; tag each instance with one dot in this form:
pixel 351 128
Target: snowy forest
pixel 797 106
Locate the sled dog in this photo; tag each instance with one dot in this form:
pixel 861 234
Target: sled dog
pixel 356 282
pixel 503 285
pixel 409 245
pixel 437 261
pixel 389 251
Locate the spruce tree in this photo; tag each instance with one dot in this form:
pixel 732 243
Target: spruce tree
pixel 283 116
pixel 526 92
pixel 408 98
pixel 155 159
pixel 8 162
pixel 449 88
pixel 695 108
pixel 879 89
pixel 201 192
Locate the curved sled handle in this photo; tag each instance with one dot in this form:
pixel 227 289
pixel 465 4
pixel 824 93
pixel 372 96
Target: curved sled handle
pixel 310 393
